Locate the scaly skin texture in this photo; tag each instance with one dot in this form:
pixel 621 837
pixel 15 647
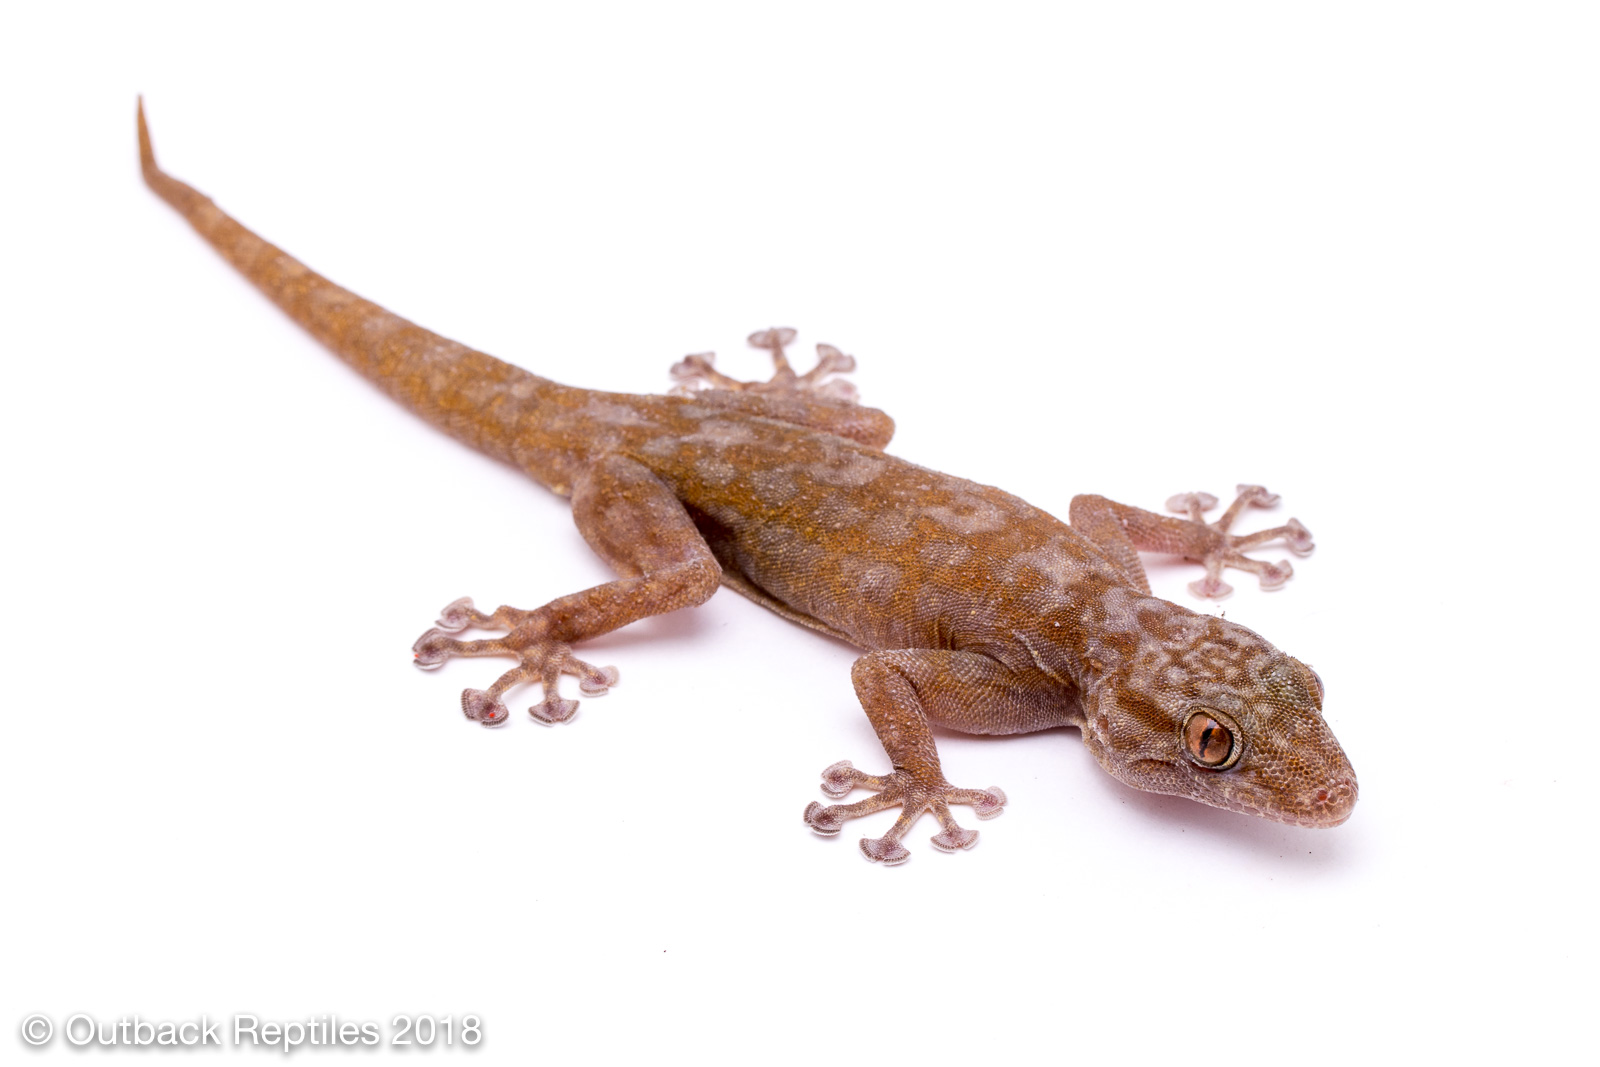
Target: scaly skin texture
pixel 979 612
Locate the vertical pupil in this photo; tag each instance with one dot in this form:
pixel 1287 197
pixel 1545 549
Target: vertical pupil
pixel 1209 741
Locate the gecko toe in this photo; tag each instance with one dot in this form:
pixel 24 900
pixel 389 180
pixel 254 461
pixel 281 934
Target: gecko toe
pixel 987 803
pixel 1184 503
pixel 1211 589
pixel 553 710
pixel 480 706
pixel 456 615
pixel 823 821
pixel 885 851
pixel 1258 496
pixel 1276 575
pixel 839 779
pixel 954 839
pixel 432 649
pixel 596 681
pixel 1298 538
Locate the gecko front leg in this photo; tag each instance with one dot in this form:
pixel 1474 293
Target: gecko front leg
pixel 1121 531
pixel 904 692
pixel 635 523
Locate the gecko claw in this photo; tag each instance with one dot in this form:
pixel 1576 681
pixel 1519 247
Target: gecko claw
pixel 456 615
pixel 553 710
pixel 837 781
pixel 595 681
pixel 1276 575
pixel 1211 589
pixel 954 839
pixel 430 651
pixel 986 803
pixel 1187 503
pixel 885 851
pixel 1258 496
pixel 480 706
pixel 823 821
pixel 776 338
pixel 1297 538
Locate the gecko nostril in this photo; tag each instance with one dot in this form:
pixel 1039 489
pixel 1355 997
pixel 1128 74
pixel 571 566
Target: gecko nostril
pixel 1334 802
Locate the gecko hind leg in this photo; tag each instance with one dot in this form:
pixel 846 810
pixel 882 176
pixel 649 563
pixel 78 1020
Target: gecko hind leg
pixel 634 522
pixel 542 660
pixel 695 372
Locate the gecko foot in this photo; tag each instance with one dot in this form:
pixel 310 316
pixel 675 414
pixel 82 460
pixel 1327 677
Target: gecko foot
pixel 1215 548
pixel 542 660
pixel 696 372
pixel 913 798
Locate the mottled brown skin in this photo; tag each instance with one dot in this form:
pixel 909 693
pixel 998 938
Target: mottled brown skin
pixel 980 613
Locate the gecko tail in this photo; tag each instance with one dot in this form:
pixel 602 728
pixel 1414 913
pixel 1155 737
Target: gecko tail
pixel 443 381
pixel 180 195
pixel 147 154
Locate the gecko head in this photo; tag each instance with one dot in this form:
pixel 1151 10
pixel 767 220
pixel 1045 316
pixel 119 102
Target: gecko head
pixel 1202 708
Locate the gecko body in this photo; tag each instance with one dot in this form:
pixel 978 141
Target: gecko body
pixel 976 611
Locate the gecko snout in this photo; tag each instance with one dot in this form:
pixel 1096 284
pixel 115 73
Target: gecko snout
pixel 1331 804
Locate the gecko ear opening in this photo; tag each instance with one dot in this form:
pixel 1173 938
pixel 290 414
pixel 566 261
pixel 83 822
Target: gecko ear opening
pixel 1209 741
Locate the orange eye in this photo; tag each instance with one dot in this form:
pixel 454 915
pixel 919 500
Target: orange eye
pixel 1207 741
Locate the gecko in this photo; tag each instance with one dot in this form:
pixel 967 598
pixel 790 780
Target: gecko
pixel 975 611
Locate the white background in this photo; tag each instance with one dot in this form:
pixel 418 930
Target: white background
pixel 1349 252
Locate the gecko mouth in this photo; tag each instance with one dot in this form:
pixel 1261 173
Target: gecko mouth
pixel 1326 805
pixel 1322 807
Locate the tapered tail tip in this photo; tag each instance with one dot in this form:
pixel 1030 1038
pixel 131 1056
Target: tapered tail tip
pixel 147 154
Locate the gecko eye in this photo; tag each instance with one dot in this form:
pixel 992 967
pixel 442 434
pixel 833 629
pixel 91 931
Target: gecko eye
pixel 1208 742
